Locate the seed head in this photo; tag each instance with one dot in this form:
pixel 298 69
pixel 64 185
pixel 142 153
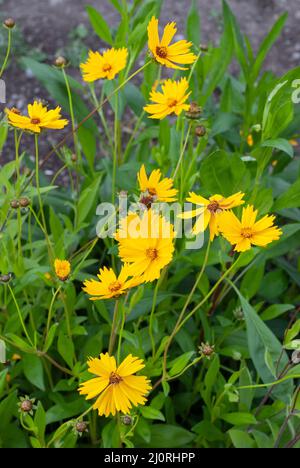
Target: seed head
pixel 15 204
pixel 127 420
pixel 194 111
pixel 200 131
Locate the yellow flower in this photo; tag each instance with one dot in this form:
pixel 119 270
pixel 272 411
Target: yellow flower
pixel 248 231
pixel 106 65
pixel 146 243
pixel 154 188
pixel 209 211
pixel 109 285
pixel 250 141
pixel 117 387
pixel 62 269
pixel 163 52
pixel 170 101
pixel 38 118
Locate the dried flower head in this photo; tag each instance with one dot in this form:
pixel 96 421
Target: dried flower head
pixel 9 23
pixel 207 350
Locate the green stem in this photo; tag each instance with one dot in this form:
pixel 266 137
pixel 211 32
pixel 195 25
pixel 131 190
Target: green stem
pixel 151 321
pixel 115 152
pixel 20 316
pixel 50 311
pixel 121 334
pixel 100 112
pixel 179 324
pixel 76 143
pixel 196 282
pixel 113 334
pixel 37 181
pixel 182 151
pixel 7 52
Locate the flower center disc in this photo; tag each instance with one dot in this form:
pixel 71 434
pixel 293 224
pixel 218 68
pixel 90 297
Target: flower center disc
pixel 152 191
pixel 115 286
pixel 161 51
pixel 214 207
pixel 114 378
pixel 35 121
pixel 246 232
pixel 172 102
pixel 106 67
pixel 152 253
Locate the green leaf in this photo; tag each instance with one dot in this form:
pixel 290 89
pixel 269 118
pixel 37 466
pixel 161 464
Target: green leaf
pixel 40 419
pixel 260 338
pixel 50 337
pixel 241 439
pixel 239 419
pixel 275 310
pixel 19 342
pixel 151 413
pixel 266 45
pixel 66 349
pixel 100 26
pixel 290 198
pixel 179 363
pixel 224 173
pixel 87 200
pixel 166 435
pixel 280 144
pixel 33 370
pixel 292 332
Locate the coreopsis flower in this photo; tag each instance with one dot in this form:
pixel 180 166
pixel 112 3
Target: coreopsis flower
pixel 208 212
pixel 110 285
pixel 118 388
pixel 38 118
pixel 106 65
pixel 146 242
pixel 62 269
pixel 163 52
pixel 170 101
pixel 154 189
pixel 242 234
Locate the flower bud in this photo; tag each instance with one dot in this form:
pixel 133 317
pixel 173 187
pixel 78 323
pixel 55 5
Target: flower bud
pixel 15 204
pixel 26 405
pixel 24 202
pixel 60 62
pixel 9 23
pixel 74 157
pixel 194 111
pixel 81 427
pixel 296 356
pixel 200 131
pixel 127 420
pixel 6 278
pixel 203 47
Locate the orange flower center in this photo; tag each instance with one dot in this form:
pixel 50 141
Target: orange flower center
pixel 114 378
pixel 171 102
pixel 152 253
pixel 214 207
pixel 152 191
pixel 35 121
pixel 115 286
pixel 106 67
pixel 161 51
pixel 246 232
